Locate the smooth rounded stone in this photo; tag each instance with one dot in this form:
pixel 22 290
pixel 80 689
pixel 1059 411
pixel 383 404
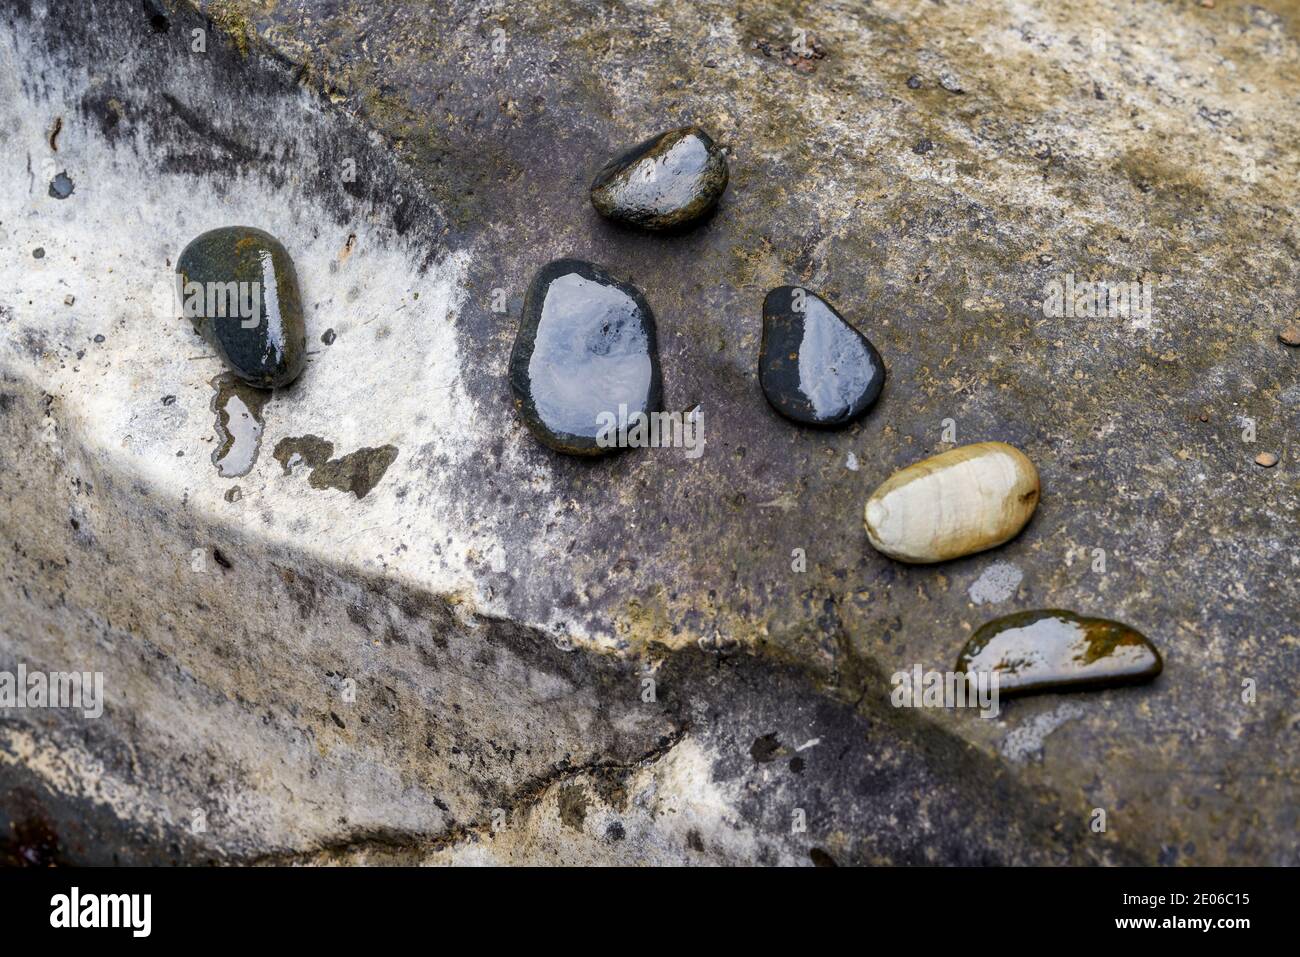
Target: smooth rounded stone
pixel 586 350
pixel 238 286
pixel 814 367
pixel 1054 649
pixel 667 182
pixel 953 504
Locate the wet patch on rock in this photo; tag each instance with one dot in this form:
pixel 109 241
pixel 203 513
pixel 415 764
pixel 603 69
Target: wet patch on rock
pixel 586 351
pixel 666 182
pixel 1059 650
pixel 240 291
pixel 238 408
pixel 815 368
pixel 357 472
pixel 572 802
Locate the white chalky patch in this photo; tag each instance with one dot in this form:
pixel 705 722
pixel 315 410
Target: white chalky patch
pixel 997 583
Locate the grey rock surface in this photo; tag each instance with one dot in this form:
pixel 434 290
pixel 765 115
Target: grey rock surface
pixel 455 667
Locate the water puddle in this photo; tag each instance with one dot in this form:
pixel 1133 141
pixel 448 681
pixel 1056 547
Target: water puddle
pixel 238 408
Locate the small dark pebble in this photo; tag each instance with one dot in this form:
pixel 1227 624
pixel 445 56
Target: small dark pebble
pixel 38 252
pixel 99 338
pixel 666 182
pixel 61 187
pixel 328 337
pixel 922 147
pixel 913 82
pixel 169 400
pixel 615 832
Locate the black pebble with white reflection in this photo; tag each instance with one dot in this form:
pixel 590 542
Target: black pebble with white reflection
pixel 815 368
pixel 586 347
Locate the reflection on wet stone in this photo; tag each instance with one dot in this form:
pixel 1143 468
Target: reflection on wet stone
pixel 669 181
pixel 586 347
pixel 814 367
pixel 1053 649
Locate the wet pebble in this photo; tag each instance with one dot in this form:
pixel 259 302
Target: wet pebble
pixel 1053 649
pixel 259 332
pixel 669 181
pixel 953 504
pixel 61 187
pixel 586 346
pixel 815 368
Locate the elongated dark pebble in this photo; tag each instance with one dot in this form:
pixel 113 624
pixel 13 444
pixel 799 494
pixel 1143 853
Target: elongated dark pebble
pixel 1052 649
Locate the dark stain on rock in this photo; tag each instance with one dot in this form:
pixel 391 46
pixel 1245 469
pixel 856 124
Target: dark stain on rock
pixel 357 472
pixel 157 14
pixel 573 805
pixel 238 408
pixel 615 832
pixel 31 842
pixel 694 841
pixel 820 858
pixel 764 749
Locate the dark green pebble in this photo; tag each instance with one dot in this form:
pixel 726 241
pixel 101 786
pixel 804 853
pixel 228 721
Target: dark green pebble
pixel 272 352
pixel 586 346
pixel 814 367
pixel 1058 650
pixel 667 182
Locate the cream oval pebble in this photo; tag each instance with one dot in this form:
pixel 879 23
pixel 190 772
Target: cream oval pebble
pixel 953 504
